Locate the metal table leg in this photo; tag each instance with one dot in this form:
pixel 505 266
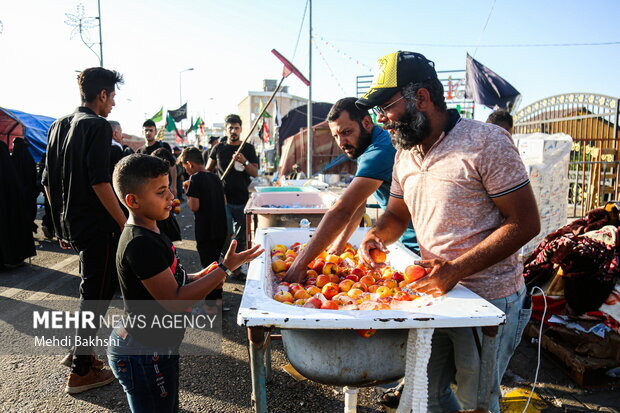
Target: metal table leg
pixel 268 358
pixel 248 231
pixel 486 380
pixel 256 337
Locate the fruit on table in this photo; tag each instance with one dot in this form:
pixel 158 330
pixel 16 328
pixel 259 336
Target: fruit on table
pixel 360 286
pixel 330 290
pixel 384 292
pixel 355 293
pixel 283 296
pixel 279 248
pixel 367 279
pixel 414 273
pixel 294 287
pixel 317 265
pixel 390 283
pixel 352 277
pixel 313 290
pixel 330 268
pixel 329 305
pixel 301 294
pixel 321 280
pixel 345 285
pixel 377 255
pixel 278 266
pixel 313 302
pixel 343 282
pixel 401 296
pixel 366 333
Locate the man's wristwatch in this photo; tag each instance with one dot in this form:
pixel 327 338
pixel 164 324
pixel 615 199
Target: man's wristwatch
pixel 223 268
pixel 246 163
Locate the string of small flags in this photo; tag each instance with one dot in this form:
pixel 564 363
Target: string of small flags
pixel 343 54
pixel 316 45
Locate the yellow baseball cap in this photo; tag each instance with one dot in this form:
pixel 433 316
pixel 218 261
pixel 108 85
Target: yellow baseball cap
pixel 395 71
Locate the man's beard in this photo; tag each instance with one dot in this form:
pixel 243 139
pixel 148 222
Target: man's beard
pixel 362 143
pixel 233 137
pixel 410 130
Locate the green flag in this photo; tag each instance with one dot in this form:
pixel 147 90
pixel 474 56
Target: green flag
pixel 197 124
pixel 158 117
pixel 260 109
pixel 170 125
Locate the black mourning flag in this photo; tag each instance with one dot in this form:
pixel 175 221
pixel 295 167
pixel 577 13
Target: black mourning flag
pixel 487 88
pixel 179 114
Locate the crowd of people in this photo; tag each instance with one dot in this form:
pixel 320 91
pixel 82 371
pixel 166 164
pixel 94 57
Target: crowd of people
pixel 453 190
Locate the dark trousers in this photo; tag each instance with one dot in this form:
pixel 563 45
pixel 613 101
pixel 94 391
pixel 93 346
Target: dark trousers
pixel 210 251
pixel 99 282
pixel 238 224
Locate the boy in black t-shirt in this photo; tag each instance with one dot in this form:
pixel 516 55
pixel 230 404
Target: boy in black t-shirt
pixel 205 197
pixel 245 166
pixel 149 270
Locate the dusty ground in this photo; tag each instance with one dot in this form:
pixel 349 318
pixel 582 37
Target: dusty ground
pixel 216 383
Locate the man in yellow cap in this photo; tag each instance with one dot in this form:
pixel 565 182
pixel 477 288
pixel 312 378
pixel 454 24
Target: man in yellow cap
pixel 463 185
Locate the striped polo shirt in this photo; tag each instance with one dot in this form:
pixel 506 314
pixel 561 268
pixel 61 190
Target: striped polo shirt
pixel 449 193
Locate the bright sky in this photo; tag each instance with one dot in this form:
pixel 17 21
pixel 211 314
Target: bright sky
pixel 228 43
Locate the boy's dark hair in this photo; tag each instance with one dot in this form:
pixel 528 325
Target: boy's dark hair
pixel 232 118
pixel 346 105
pixel 192 155
pixel 133 171
pixel 500 117
pixel 165 155
pixel 95 79
pixel 149 122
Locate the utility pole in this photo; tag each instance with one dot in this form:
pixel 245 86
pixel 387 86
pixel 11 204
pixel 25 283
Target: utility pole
pixel 309 111
pixel 100 38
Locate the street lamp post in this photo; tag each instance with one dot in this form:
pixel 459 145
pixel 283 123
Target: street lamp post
pixel 181 86
pixel 181 89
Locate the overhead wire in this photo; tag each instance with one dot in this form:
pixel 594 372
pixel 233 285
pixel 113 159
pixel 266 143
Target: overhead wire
pixel 303 18
pixel 329 67
pixel 485 27
pixel 610 43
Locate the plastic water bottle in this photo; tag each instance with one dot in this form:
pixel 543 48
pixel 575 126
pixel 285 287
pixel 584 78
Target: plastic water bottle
pixel 304 223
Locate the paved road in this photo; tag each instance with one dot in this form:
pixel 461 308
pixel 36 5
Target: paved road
pixel 208 383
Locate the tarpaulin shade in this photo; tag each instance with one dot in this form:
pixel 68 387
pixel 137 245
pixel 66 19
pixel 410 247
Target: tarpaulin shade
pixel 324 150
pixel 33 128
pixel 297 118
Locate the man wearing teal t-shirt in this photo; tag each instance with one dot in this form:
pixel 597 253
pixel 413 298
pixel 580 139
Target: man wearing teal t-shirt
pixel 372 148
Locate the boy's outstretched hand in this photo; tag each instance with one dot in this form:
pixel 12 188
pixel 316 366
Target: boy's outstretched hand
pixel 234 260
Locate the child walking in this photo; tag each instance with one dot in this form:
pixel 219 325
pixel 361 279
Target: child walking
pixel 205 197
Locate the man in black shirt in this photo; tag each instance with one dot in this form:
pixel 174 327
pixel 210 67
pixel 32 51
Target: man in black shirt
pixel 213 141
pixel 85 211
pixel 116 152
pixel 149 129
pixel 238 179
